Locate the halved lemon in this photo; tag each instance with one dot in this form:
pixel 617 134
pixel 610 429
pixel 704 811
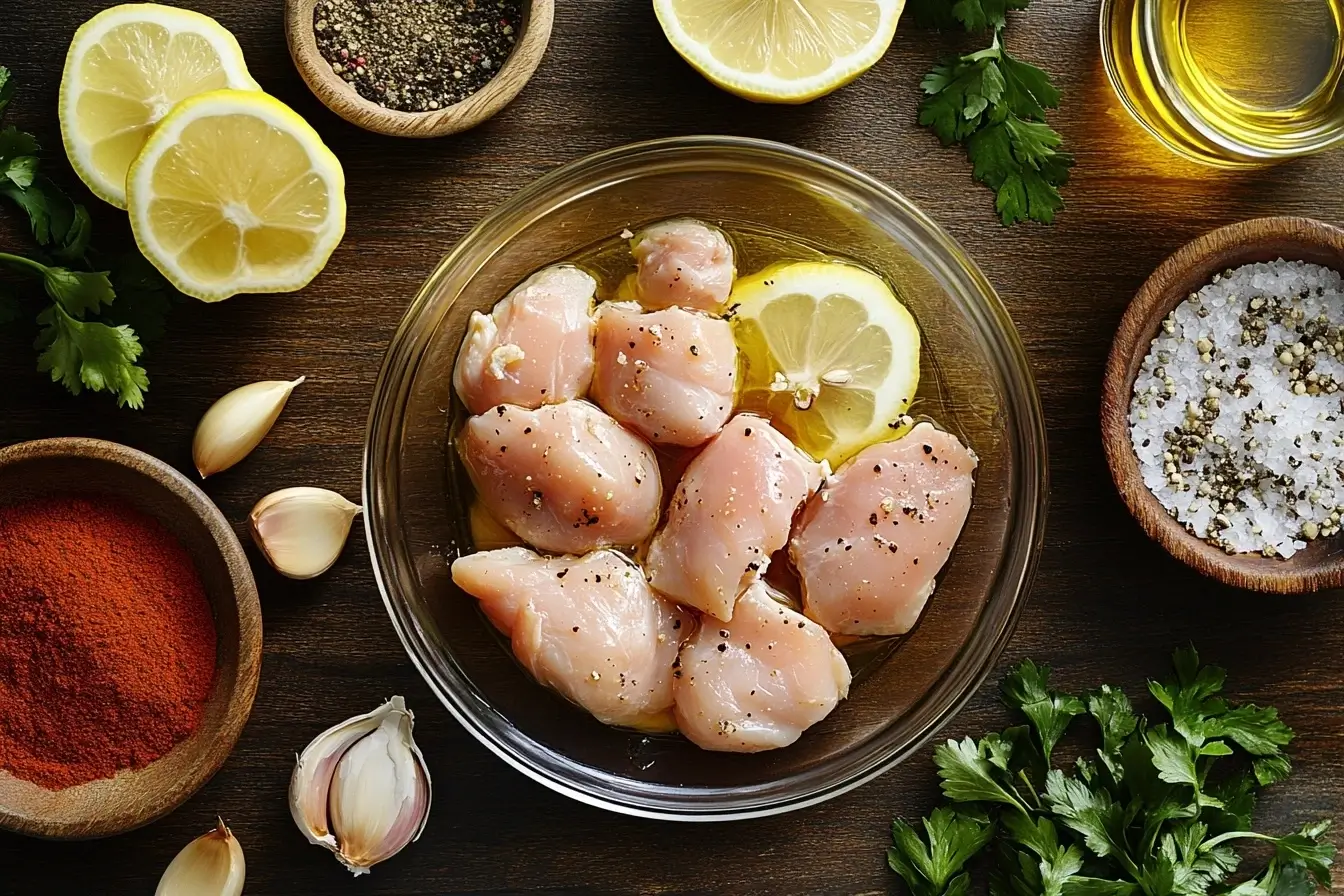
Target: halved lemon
pixel 780 51
pixel 828 353
pixel 234 192
pixel 126 68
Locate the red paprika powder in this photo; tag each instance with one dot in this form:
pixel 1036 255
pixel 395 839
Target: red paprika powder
pixel 107 642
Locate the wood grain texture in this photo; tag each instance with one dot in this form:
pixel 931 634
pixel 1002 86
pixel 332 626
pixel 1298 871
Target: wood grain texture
pixel 1108 604
pixel 1321 564
pixel 341 98
pixel 113 806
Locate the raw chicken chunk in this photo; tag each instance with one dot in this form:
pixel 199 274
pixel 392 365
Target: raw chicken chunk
pixel 565 477
pixel 730 512
pixel 669 375
pixel 586 626
pixel 683 262
pixel 534 348
pixel 757 682
pixel 869 544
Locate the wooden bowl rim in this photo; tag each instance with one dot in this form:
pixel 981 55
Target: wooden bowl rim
pixel 1259 239
pixel 241 690
pixel 345 101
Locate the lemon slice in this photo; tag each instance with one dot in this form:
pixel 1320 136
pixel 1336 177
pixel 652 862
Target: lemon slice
pixel 127 66
pixel 234 192
pixel 780 51
pixel 828 353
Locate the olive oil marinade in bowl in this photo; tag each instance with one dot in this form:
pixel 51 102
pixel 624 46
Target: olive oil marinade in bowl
pixel 1233 83
pixel 777 204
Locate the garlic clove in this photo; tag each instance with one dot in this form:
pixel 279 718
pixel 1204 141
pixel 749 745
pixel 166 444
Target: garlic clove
pixel 380 794
pixel 237 423
pixel 310 785
pixel 210 865
pixel 302 531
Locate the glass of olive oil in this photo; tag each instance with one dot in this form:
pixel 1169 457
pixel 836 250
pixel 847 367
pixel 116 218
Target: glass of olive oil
pixel 1232 83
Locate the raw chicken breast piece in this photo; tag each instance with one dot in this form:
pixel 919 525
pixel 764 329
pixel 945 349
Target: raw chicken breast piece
pixel 757 682
pixel 566 477
pixel 670 375
pixel 868 546
pixel 683 262
pixel 730 512
pixel 588 627
pixel 534 348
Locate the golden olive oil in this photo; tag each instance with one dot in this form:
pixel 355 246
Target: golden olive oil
pixel 1233 83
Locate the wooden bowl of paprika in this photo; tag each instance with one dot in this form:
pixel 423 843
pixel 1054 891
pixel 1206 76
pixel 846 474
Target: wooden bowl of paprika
pixel 130 638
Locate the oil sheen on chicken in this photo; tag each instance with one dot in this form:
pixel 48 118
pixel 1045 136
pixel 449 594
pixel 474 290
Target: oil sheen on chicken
pixel 669 375
pixel 757 682
pixel 534 348
pixel 869 545
pixel 683 262
pixel 587 627
pixel 730 512
pixel 566 477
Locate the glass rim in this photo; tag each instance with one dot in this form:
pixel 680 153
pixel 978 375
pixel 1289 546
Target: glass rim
pixel 1028 487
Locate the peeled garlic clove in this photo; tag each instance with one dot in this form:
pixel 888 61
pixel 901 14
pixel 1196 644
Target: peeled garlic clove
pixel 210 865
pixel 302 530
pixel 380 794
pixel 237 423
pixel 310 785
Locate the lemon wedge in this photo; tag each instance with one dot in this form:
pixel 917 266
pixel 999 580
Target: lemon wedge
pixel 234 192
pixel 780 51
pixel 828 353
pixel 126 68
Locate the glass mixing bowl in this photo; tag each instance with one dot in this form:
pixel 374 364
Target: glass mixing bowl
pixel 976 382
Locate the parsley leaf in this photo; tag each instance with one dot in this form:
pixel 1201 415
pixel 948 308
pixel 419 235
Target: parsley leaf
pixel 968 776
pixel 1027 688
pixel 6 88
pixel 81 354
pixel 935 867
pixel 933 14
pixel 978 15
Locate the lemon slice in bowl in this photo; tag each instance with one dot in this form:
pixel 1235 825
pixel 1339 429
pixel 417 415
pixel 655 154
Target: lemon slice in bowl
pixel 126 68
pixel 234 192
pixel 827 352
pixel 780 51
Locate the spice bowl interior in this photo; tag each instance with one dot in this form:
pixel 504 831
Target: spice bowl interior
pixel 132 798
pixel 977 384
pixel 534 33
pixel 1321 564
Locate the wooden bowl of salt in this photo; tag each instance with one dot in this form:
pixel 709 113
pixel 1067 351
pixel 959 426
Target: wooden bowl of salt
pixel 53 468
pixel 1321 564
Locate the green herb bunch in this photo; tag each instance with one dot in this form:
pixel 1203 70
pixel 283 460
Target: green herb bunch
pixel 1157 811
pixel 91 310
pixel 994 104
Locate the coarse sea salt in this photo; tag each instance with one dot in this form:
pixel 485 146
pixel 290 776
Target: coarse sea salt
pixel 1237 418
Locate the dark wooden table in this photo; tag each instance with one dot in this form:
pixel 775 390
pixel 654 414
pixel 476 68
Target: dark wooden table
pixel 1107 605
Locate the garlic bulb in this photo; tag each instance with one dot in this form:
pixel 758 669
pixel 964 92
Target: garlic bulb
pixel 361 788
pixel 237 423
pixel 302 530
pixel 210 865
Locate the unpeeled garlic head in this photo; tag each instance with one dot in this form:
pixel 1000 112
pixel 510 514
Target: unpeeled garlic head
pixel 237 423
pixel 210 865
pixel 302 530
pixel 361 788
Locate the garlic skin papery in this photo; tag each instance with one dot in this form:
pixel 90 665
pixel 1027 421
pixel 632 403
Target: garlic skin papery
pixel 210 865
pixel 302 531
pixel 361 788
pixel 237 423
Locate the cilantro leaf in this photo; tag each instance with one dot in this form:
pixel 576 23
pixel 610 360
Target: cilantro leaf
pixel 144 297
pixel 933 865
pixel 81 354
pixel 78 292
pixel 1027 688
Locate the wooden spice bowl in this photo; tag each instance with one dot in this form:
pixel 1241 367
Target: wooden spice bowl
pixel 1321 564
pixel 134 798
pixel 534 34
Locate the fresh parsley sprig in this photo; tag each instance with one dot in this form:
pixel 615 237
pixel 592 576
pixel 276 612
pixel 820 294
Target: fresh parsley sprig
pixel 1159 811
pixel 97 309
pixel 995 104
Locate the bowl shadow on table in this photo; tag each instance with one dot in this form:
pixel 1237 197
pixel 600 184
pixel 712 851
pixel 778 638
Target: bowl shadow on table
pixel 900 692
